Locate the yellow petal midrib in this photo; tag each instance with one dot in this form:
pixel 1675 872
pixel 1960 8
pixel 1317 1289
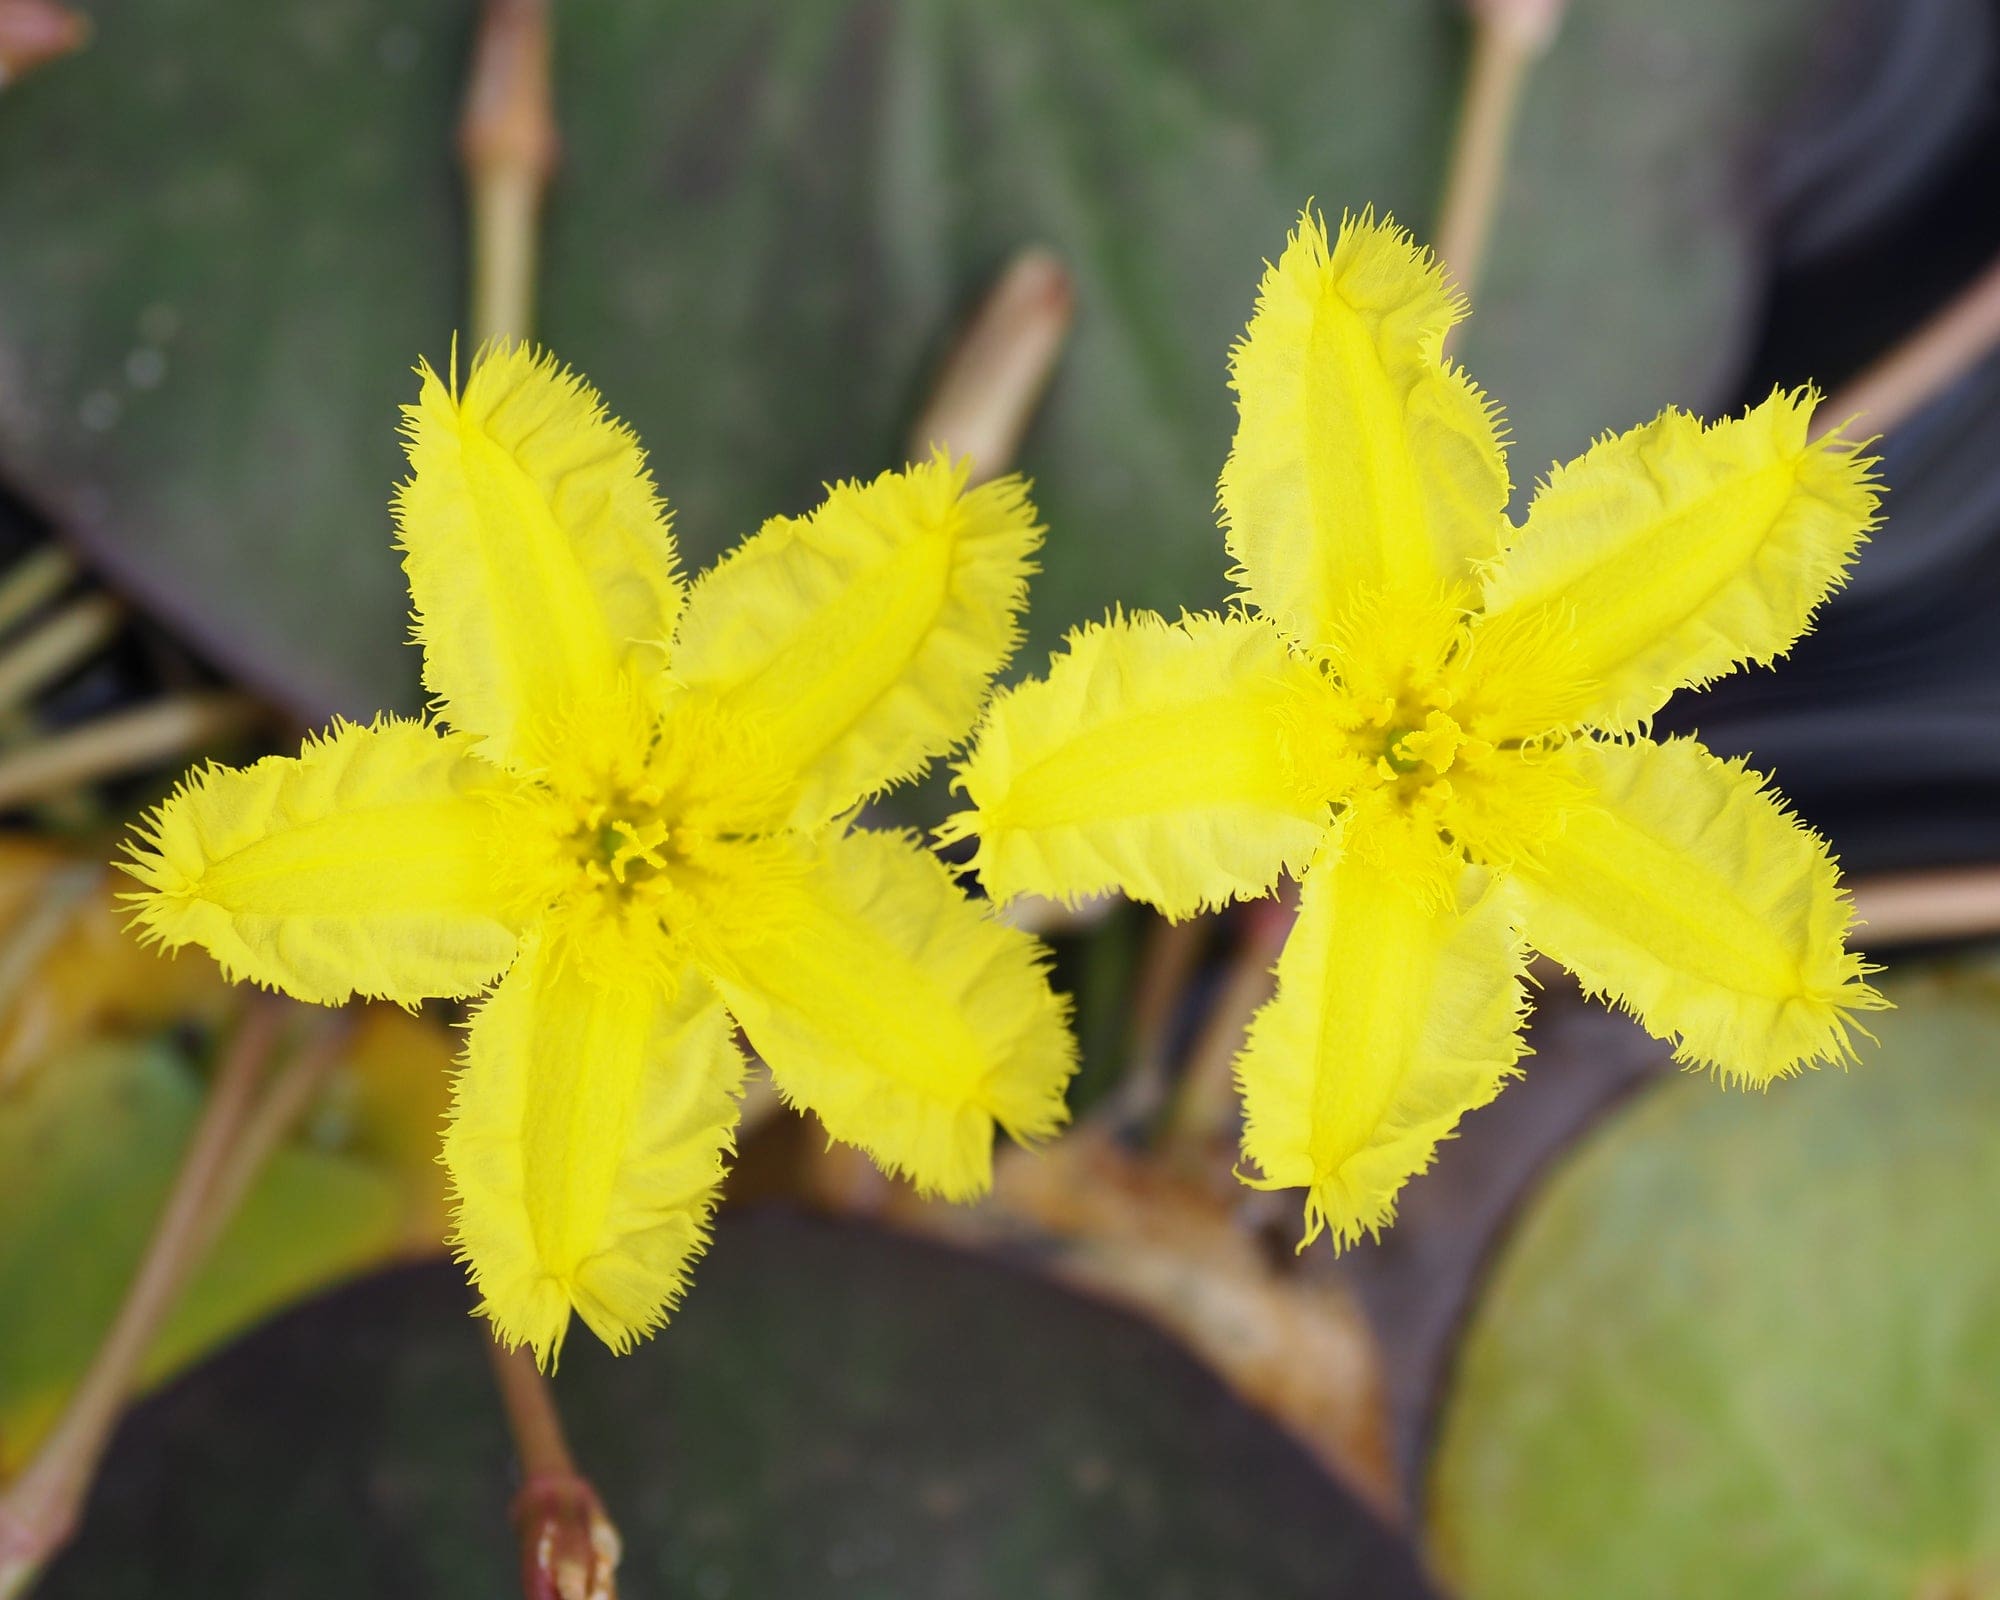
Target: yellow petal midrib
pixel 514 515
pixel 1343 360
pixel 1655 602
pixel 587 1107
pixel 1721 939
pixel 1349 1105
pixel 1228 734
pixel 811 711
pixel 946 1062
pixel 437 839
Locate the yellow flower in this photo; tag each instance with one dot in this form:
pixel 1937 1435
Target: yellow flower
pixel 1438 719
pixel 638 823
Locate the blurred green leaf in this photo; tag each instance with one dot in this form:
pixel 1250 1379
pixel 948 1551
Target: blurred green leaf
pixel 835 1413
pixel 1745 1345
pixel 227 231
pixel 88 1148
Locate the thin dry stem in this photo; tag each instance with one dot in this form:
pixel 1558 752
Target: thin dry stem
pixel 508 141
pixel 990 384
pixel 115 746
pixel 56 647
pixel 33 581
pixel 1508 36
pixel 40 1509
pixel 30 940
pixel 297 1084
pixel 1929 361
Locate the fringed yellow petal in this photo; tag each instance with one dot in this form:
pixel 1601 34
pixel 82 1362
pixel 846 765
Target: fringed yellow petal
pixel 364 865
pixel 1396 1013
pixel 1675 553
pixel 1169 760
pixel 1363 459
pixel 1690 894
pixel 861 639
pixel 537 551
pixel 590 1126
pixel 907 1016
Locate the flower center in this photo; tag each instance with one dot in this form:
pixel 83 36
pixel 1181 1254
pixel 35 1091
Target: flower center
pixel 622 847
pixel 1410 746
pixel 622 851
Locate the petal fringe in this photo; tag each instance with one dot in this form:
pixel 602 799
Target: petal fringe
pixel 861 640
pixel 907 1017
pixel 370 863
pixel 1362 459
pixel 1173 761
pixel 537 550
pixel 1677 552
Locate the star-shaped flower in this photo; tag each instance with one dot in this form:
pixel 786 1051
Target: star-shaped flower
pixel 639 824
pixel 1438 718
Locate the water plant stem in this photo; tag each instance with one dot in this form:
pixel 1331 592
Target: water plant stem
pixel 990 384
pixel 39 1509
pixel 1950 344
pixel 1903 908
pixel 1200 1116
pixel 1508 37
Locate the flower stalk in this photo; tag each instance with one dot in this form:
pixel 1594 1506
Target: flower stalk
pixel 569 1547
pixel 990 385
pixel 508 142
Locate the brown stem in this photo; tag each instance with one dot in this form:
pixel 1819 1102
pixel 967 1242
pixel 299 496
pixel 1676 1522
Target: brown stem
pixel 1508 36
pixel 40 1508
pixel 569 1548
pixel 507 139
pixel 1943 350
pixel 986 392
